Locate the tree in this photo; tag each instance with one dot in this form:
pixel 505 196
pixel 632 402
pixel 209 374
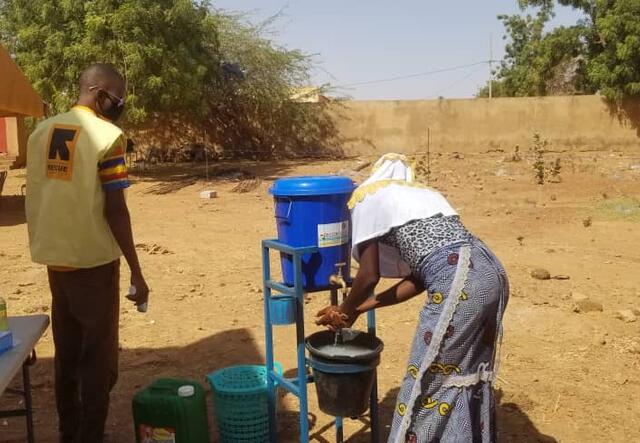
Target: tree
pixel 497 90
pixel 601 51
pixel 158 45
pixel 183 62
pixel 260 106
pixel 616 67
pixel 540 63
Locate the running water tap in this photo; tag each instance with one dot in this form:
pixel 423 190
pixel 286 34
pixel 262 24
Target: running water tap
pixel 338 279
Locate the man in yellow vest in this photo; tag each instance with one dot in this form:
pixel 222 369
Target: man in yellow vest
pixel 79 227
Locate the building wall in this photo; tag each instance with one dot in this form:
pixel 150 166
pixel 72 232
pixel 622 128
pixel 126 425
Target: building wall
pixel 479 125
pixel 3 135
pixel 16 139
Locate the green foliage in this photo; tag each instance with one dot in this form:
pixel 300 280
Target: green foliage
pixel 260 106
pixel 538 149
pixel 172 54
pixel 543 171
pixel 498 90
pixel 623 207
pixel 540 63
pixel 554 170
pixel 616 68
pixel 422 168
pixel 516 155
pixel 587 6
pixel 601 52
pixel 158 45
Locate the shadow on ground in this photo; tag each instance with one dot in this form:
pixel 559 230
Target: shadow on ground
pixel 12 210
pixel 170 177
pixel 138 368
pixel 514 425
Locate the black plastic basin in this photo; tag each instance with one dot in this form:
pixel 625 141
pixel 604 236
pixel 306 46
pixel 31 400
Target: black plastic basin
pixel 344 373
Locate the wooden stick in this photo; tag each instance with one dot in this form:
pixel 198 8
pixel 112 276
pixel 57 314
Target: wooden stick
pixel 555 408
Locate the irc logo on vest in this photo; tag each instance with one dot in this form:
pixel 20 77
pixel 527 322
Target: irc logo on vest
pixel 61 151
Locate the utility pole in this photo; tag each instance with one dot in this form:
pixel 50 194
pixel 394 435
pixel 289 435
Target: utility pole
pixel 428 156
pixel 490 66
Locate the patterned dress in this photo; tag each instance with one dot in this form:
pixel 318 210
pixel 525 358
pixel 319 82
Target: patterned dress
pixel 446 394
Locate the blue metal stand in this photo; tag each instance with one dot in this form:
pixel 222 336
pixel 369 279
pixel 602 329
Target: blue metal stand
pixel 298 385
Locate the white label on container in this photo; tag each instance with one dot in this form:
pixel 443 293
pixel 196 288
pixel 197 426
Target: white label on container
pixel 333 234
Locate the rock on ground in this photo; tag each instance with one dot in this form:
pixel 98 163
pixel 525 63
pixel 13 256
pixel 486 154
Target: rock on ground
pixel 578 296
pixel 586 305
pixel 540 274
pixel 626 315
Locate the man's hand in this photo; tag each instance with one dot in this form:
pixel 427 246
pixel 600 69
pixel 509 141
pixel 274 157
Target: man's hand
pixel 142 290
pixel 117 215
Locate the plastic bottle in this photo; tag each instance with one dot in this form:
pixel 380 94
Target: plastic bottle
pixel 142 307
pixel 4 322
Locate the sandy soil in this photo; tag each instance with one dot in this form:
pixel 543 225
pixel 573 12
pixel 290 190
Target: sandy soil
pixel 565 376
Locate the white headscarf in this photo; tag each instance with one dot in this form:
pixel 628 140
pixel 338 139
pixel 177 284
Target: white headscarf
pixel 387 199
pixel 390 167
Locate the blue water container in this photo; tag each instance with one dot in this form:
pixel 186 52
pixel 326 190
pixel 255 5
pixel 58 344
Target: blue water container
pixel 312 211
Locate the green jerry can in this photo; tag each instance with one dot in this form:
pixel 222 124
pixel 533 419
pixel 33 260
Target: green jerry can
pixel 171 411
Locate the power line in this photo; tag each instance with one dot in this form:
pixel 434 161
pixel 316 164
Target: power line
pixel 419 74
pixel 456 82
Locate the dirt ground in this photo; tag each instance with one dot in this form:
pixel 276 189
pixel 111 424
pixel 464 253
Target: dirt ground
pixel 565 376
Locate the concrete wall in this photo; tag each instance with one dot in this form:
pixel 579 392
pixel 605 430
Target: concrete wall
pixel 478 125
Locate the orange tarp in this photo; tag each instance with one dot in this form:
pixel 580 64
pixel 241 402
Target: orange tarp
pixel 17 96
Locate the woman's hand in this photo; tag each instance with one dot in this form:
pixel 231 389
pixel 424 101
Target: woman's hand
pixel 333 318
pixel 351 319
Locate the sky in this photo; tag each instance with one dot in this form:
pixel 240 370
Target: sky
pixel 359 41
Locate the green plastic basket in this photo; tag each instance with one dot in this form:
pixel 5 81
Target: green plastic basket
pixel 240 403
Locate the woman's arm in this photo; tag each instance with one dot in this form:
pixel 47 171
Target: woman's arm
pixel 398 293
pixel 366 279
